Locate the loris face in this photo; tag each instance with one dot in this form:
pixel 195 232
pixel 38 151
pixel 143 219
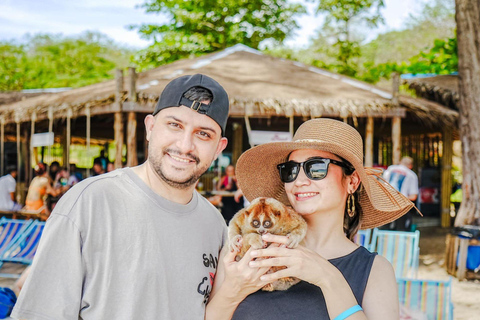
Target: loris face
pixel 263 215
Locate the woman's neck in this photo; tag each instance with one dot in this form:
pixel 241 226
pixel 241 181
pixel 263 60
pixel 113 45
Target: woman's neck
pixel 325 235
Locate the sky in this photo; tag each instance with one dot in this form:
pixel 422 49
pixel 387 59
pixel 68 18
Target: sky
pixel 111 17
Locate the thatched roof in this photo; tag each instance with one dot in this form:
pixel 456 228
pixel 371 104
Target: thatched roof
pixel 441 89
pixel 11 97
pixel 257 85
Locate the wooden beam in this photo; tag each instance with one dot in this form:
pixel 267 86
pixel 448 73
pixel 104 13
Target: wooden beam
pixel 446 187
pixel 87 112
pixel 132 157
pixel 118 119
pixel 249 130
pixel 369 143
pixel 396 139
pixel 291 127
pixel 68 139
pixel 237 148
pixel 19 158
pixel 32 132
pixel 50 130
pixel 395 87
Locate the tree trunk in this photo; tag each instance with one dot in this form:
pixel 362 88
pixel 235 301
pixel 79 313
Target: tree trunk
pixel 468 36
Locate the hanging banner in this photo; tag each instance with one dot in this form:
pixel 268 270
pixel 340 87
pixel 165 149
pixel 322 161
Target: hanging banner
pixel 260 137
pixel 42 139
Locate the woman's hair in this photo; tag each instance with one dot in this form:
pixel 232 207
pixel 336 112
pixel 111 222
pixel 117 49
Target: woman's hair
pixel 351 225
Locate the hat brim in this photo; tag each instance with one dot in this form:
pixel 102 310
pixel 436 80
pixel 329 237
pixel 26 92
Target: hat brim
pixel 257 176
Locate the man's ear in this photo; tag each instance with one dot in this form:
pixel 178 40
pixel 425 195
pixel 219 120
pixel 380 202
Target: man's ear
pixel 149 123
pixel 222 144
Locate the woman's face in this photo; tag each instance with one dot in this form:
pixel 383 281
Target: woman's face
pixel 312 196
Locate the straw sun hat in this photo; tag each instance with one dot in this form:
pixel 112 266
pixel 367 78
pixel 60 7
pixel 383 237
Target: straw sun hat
pixel 258 176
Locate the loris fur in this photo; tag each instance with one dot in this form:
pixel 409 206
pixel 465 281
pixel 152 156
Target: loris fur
pixel 266 215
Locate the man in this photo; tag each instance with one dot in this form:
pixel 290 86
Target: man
pixel 402 178
pixel 7 191
pixel 139 243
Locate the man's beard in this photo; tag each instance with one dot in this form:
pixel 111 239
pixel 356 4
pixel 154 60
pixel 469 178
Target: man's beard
pixel 156 163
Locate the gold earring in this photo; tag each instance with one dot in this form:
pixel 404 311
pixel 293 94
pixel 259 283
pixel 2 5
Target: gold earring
pixel 351 205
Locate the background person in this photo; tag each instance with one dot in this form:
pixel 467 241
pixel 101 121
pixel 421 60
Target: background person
pixel 8 185
pixel 325 182
pixel 39 189
pixel 229 183
pixel 403 179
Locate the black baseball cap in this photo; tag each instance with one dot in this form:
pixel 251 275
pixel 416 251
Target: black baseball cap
pixel 172 96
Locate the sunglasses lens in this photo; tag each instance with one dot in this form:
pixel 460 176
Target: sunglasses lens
pixel 316 169
pixel 288 171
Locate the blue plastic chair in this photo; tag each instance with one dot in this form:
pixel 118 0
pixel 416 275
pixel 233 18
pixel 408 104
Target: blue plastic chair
pixel 10 230
pixel 432 298
pixel 400 248
pixel 362 238
pixel 23 249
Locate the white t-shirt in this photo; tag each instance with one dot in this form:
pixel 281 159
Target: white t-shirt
pixel 7 186
pixel 402 179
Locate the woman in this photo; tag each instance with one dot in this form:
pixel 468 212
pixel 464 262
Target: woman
pixel 229 183
pixel 38 190
pixel 321 175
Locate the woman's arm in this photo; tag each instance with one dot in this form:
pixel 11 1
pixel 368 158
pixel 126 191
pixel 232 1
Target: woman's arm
pixel 233 282
pixel 380 300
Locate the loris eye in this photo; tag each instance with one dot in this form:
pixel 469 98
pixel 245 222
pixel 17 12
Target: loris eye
pixel 256 223
pixel 267 224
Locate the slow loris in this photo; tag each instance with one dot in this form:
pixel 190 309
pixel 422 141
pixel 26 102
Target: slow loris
pixel 266 215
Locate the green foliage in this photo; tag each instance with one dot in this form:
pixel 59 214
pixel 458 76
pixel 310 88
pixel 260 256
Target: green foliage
pixel 204 26
pixel 342 16
pixel 440 59
pixel 52 61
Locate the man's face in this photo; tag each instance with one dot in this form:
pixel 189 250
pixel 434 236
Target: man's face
pixel 182 145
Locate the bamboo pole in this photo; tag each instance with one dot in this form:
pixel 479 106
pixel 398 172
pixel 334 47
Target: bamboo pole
pixel 19 159
pixel 68 139
pixel 50 130
pixel 396 139
pixel 237 142
pixel 369 143
pixel 32 132
pixel 87 114
pixel 447 156
pixel 132 157
pixel 291 125
pixel 2 145
pixel 118 119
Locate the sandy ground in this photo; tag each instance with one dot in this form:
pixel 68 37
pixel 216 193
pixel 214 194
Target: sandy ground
pixel 465 294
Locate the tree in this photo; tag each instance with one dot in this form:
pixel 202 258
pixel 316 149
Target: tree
pixel 12 66
pixel 468 34
pixel 204 26
pixel 342 16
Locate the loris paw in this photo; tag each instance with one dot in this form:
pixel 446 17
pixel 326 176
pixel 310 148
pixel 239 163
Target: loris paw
pixel 293 240
pixel 235 244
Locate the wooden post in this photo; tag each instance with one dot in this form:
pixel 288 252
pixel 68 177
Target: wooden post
pixel 50 130
pixel 395 87
pixel 369 143
pixel 32 151
pixel 249 129
pixel 237 142
pixel 118 119
pixel 396 139
pixel 132 157
pixel 447 156
pixel 291 128
pixel 68 139
pixel 19 158
pixel 2 145
pixel 87 114
pixel 462 258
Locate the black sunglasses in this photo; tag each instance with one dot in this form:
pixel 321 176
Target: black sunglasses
pixel 314 168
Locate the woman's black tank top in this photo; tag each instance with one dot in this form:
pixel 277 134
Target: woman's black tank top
pixel 305 301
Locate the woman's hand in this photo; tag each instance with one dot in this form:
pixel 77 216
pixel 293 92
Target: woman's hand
pixel 301 262
pixel 241 278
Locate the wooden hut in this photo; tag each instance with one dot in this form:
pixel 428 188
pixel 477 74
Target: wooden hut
pixel 266 93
